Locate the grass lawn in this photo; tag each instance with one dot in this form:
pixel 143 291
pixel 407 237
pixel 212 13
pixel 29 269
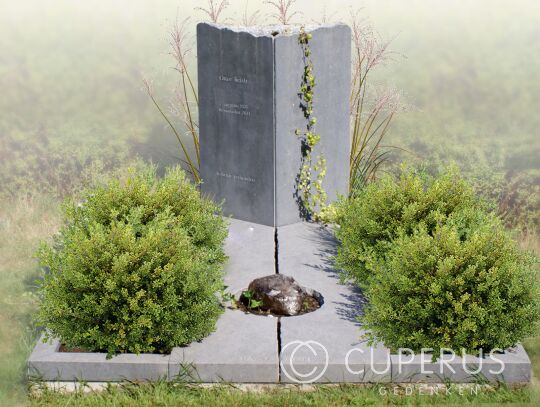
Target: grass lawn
pixel 24 222
pixel 167 395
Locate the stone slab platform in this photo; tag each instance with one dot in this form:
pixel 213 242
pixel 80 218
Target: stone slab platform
pixel 328 342
pixel 325 346
pixel 244 347
pixel 305 253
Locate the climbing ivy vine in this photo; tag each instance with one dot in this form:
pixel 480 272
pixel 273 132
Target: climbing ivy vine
pixel 311 194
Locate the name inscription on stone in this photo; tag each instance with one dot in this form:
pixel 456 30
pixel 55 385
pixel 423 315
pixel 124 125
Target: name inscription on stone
pixel 236 109
pixel 233 79
pixel 235 177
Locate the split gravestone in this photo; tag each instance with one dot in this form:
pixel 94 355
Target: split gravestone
pixel 250 108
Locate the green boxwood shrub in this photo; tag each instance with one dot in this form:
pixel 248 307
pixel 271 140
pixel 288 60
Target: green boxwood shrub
pixel 136 267
pixel 437 268
pixel 369 223
pixel 464 285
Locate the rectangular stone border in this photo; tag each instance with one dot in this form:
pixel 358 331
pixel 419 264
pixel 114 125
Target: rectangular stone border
pixel 222 357
pixel 48 364
pixel 517 368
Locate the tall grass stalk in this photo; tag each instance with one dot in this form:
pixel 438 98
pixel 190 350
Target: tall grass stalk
pixel 214 9
pixel 249 20
pixel 370 121
pixel 283 10
pixel 186 101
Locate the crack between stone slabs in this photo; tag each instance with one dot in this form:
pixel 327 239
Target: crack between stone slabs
pixel 278 325
pixel 279 348
pixel 276 240
pixel 276 251
pixel 274 128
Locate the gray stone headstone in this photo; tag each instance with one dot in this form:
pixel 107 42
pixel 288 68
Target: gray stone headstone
pixel 249 109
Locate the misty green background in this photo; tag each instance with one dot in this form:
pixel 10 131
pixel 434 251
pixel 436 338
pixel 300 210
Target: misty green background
pixel 72 70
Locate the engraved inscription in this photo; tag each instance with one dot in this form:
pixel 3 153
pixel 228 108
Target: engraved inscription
pixel 235 177
pixel 233 79
pixel 235 108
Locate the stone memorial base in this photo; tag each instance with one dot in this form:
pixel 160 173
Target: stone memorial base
pixel 324 346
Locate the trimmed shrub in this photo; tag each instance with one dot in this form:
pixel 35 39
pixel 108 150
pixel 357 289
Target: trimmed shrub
pixel 369 223
pixel 136 268
pixel 463 285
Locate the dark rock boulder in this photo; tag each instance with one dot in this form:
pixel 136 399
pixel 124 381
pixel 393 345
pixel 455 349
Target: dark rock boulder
pixel 282 295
